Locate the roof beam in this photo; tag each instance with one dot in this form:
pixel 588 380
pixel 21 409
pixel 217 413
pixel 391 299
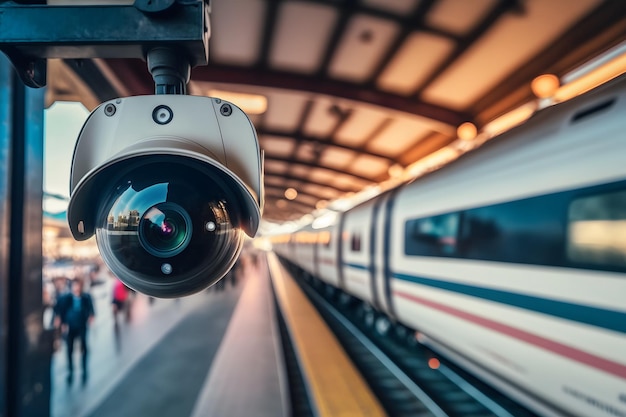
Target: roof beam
pixel 325 86
pixel 291 177
pixel 301 138
pixel 291 205
pixel 313 165
pixel 280 193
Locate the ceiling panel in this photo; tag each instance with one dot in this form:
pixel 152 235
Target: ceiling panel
pixel 275 181
pixel 345 182
pixel 301 35
pixel 234 46
pixel 459 16
pixel 337 157
pixel 418 57
pixel 323 192
pixel 362 47
pixel 323 118
pixel 398 136
pixel 361 124
pixel 275 166
pixel 277 146
pixel 323 176
pixel 284 110
pixel 300 170
pixel 369 166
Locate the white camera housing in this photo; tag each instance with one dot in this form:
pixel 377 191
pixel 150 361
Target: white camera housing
pixel 169 184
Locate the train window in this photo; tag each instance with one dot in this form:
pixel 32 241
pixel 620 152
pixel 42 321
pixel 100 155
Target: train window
pixel 432 236
pixel 553 229
pixel 524 231
pixel 355 244
pixel 597 230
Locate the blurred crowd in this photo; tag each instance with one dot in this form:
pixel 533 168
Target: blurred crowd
pixel 75 291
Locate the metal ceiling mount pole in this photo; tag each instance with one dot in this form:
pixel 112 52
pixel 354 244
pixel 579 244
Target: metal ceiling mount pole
pixel 170 70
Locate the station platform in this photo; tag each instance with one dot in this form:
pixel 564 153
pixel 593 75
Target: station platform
pixel 216 353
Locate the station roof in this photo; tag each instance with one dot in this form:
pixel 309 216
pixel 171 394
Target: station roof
pixel 362 94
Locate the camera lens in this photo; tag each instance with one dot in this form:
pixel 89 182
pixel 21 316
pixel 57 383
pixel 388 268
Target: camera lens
pixel 165 230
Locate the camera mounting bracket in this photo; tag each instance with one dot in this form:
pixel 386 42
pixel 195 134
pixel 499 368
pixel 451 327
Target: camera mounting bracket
pixel 164 32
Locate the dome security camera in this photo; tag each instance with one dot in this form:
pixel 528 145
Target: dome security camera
pixel 169 184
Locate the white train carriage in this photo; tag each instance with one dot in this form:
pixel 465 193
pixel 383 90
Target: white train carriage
pixel 511 260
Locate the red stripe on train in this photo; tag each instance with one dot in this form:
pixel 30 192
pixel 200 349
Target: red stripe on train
pixel 569 352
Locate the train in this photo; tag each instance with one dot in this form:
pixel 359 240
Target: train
pixel 509 261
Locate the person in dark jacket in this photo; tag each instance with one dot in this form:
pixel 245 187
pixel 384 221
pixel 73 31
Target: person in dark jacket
pixel 74 313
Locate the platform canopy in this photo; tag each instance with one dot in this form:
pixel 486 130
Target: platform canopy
pixel 351 95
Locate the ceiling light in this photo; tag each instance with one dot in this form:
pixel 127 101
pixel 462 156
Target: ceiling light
pixel 249 103
pixel 291 193
pixel 544 86
pixel 466 131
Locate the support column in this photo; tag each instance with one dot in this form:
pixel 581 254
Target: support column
pixel 25 346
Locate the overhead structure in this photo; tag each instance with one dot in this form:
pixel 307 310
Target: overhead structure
pixel 350 94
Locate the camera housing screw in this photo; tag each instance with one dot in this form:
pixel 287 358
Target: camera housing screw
pixel 226 110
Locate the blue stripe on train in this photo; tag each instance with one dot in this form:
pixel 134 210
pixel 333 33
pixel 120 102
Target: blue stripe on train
pixel 357 266
pixel 594 316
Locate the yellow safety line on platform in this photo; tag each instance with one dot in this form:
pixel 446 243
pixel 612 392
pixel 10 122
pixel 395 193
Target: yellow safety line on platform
pixel 338 389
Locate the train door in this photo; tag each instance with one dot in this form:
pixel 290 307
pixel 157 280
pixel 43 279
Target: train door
pixel 381 270
pixel 377 271
pixel 355 242
pixel 327 244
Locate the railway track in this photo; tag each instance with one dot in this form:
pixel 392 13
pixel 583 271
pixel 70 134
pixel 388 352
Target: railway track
pixel 407 378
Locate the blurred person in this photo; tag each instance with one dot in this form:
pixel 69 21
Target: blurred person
pixel 74 313
pixel 61 286
pixel 94 275
pixel 121 299
pixel 47 298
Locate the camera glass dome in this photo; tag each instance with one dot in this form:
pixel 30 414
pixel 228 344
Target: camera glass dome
pixel 170 228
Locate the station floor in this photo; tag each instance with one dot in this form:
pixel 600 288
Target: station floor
pixel 216 353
